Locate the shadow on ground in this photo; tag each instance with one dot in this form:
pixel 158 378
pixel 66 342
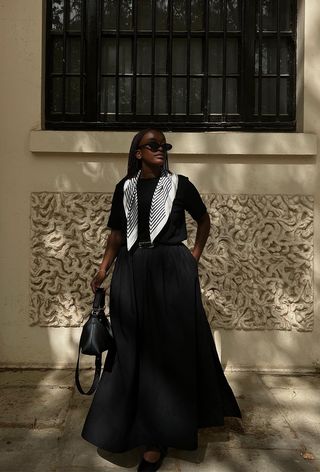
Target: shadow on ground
pixel 42 415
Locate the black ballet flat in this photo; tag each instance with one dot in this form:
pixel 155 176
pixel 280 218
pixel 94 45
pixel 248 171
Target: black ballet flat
pixel 146 466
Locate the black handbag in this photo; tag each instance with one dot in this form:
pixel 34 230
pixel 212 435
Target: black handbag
pixel 96 337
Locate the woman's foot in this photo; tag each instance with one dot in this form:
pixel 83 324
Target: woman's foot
pixel 152 458
pixel 151 455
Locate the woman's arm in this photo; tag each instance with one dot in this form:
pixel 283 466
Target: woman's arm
pixel 114 242
pixel 201 236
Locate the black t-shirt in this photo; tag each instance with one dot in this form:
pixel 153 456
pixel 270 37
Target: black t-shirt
pixel 187 198
pixel 145 191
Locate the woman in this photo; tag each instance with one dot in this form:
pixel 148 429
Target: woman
pixel 166 380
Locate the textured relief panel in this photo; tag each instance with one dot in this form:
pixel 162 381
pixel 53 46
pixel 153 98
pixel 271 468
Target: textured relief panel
pixel 68 236
pixel 255 271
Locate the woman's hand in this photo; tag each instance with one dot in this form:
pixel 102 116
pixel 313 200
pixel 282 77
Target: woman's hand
pixel 114 243
pixel 196 258
pixel 97 280
pixel 201 236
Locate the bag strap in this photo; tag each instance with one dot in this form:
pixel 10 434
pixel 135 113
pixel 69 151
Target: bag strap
pixel 98 303
pixel 95 379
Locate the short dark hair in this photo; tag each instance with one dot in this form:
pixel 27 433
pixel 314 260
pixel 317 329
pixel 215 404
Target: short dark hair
pixel 134 164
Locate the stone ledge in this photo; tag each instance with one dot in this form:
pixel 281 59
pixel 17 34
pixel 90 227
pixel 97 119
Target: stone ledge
pixel 206 143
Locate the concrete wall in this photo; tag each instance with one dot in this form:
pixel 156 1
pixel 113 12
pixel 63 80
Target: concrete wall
pixel 24 171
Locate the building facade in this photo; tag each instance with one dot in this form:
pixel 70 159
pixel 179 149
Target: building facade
pixel 260 270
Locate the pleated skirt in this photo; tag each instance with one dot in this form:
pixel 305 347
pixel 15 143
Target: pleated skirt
pixel 165 380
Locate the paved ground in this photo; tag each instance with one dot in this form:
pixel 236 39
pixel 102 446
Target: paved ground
pixel 41 416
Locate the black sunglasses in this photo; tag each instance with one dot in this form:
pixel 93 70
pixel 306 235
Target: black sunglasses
pixel 154 146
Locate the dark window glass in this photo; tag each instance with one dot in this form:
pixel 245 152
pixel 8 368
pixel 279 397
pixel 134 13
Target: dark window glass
pixel 160 93
pixel 125 13
pixel 144 16
pixel 57 15
pixel 216 15
pixel 275 61
pixel 74 15
pixel 56 95
pixel 179 14
pixel 161 48
pixel 57 56
pixel 162 14
pixel 180 64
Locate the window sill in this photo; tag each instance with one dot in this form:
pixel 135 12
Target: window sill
pixel 206 143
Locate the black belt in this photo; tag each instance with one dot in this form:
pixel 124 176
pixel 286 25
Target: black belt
pixel 146 244
pixel 149 244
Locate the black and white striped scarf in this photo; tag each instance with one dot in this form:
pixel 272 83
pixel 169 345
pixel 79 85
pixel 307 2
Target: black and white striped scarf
pixel 161 205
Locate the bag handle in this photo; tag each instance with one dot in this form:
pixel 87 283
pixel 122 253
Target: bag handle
pixel 99 299
pixel 95 379
pixel 98 302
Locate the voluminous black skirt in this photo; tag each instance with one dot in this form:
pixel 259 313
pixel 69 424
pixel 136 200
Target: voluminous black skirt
pixel 166 380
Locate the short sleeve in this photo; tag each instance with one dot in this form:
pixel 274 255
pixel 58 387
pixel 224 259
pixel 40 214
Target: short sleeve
pixel 114 220
pixel 193 201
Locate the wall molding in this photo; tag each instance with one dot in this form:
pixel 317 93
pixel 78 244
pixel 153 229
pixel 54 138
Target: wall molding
pixel 205 144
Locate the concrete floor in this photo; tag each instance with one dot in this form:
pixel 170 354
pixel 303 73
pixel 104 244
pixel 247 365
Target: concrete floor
pixel 41 416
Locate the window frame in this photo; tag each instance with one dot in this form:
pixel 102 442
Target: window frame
pixel 246 81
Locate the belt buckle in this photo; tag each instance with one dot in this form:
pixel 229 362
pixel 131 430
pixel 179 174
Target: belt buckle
pixel 145 244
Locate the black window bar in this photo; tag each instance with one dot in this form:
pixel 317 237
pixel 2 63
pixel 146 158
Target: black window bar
pixel 190 65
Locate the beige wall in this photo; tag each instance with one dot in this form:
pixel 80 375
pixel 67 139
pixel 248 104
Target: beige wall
pixel 23 172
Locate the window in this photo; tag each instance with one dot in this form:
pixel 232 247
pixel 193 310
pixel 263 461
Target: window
pixel 179 64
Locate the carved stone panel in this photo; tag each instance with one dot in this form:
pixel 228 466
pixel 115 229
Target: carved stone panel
pixel 256 271
pixel 68 235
